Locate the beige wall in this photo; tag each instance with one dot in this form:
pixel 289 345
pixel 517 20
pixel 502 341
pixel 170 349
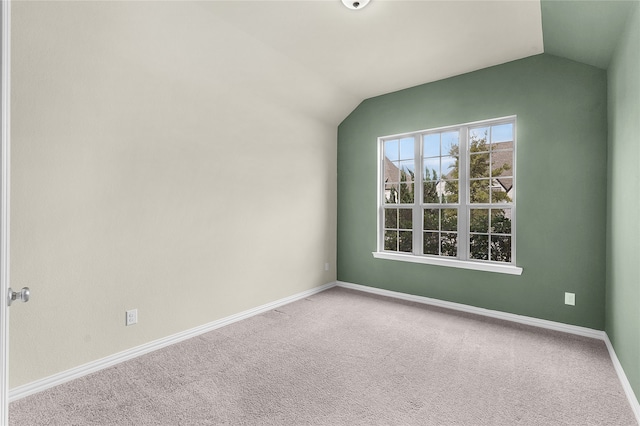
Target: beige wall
pixel 164 161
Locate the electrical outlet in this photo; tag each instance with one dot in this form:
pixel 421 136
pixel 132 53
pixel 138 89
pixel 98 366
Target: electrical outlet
pixel 326 266
pixel 132 317
pixel 570 299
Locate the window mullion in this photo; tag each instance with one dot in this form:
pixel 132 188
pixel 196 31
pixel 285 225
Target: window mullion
pixel 380 190
pixel 417 196
pixel 463 194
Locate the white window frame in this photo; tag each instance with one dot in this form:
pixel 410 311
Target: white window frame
pixel 464 205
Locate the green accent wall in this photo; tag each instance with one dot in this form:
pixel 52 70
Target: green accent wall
pixel 561 179
pixel 623 236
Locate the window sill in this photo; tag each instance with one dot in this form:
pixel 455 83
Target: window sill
pixel 452 263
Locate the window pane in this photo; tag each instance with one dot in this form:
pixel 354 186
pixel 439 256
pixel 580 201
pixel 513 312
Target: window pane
pixel 502 133
pixel 478 139
pixel 430 194
pixel 406 219
pixel 479 247
pixel 431 222
pixel 449 244
pixel 501 221
pixel 479 220
pixel 449 220
pixel 406 193
pixel 450 144
pixel 391 240
pixel 391 171
pixel 406 149
pixel 501 248
pixel 502 163
pixel 479 165
pixel 405 241
pixel 479 191
pixel 449 168
pixel 391 193
pixel 432 168
pixel 499 189
pixel 449 191
pixel 391 218
pixel 430 243
pixel 431 145
pixel 391 150
pixel 407 171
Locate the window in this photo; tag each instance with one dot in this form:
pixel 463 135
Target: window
pixel 447 196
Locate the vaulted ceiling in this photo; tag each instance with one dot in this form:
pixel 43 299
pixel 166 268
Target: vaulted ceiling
pixel 387 46
pixel 584 31
pixel 321 60
pixel 393 44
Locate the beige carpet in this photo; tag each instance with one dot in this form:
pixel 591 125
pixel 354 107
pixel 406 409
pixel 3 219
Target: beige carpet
pixel 348 358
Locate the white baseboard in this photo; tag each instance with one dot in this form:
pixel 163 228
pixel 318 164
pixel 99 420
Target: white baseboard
pixel 628 390
pixel 100 364
pixel 536 322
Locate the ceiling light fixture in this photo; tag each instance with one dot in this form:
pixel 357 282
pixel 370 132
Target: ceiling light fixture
pixel 355 4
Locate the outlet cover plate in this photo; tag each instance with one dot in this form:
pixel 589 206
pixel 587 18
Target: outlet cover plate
pixel 570 299
pixel 132 317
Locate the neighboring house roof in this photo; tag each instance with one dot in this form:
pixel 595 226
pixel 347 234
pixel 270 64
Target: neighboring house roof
pixel 502 153
pixel 390 169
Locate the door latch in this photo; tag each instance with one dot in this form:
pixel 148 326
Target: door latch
pixel 22 295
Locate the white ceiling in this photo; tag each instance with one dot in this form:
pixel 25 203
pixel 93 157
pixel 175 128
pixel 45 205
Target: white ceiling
pixel 390 45
pixel 318 59
pixel 387 46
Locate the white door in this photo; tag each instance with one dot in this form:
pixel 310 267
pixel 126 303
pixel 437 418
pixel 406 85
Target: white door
pixel 4 216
